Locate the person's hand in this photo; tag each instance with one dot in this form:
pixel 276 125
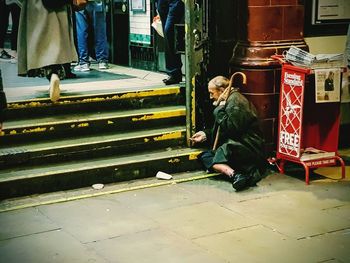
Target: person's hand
pixel 199 137
pixel 156 18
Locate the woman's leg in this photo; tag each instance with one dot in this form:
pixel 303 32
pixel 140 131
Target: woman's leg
pixel 54 87
pixel 54 73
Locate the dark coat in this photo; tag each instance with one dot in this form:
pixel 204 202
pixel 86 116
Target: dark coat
pixel 240 143
pixel 45 37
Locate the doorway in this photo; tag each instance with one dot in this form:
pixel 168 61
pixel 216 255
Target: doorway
pixel 118 31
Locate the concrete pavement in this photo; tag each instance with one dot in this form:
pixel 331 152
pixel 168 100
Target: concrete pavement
pixel 280 220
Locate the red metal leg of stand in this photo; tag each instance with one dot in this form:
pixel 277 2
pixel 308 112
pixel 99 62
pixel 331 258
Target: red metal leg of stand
pixel 307 173
pixel 342 166
pixel 281 166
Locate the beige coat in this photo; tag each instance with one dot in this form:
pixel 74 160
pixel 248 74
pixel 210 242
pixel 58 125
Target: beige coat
pixel 44 38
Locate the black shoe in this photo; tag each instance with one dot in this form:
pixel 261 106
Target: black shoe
pixel 239 182
pixel 172 80
pixel 254 178
pixel 5 56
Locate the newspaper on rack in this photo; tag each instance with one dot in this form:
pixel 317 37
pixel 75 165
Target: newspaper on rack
pixel 311 153
pixel 329 57
pixel 328 61
pixel 301 58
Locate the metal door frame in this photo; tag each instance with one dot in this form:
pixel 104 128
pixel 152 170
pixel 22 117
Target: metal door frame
pixel 196 56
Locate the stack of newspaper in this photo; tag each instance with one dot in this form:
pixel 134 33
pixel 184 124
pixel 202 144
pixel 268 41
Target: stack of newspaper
pixel 301 58
pixel 311 153
pixel 328 61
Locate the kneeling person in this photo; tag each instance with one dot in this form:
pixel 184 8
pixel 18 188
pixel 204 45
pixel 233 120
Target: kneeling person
pixel 238 150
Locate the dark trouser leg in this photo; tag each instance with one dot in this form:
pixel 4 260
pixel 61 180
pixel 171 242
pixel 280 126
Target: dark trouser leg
pixel 206 158
pixel 15 13
pixel 171 12
pixel 4 22
pixel 82 36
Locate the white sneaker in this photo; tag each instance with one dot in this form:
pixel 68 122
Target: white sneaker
pixel 82 67
pixel 103 65
pixel 54 88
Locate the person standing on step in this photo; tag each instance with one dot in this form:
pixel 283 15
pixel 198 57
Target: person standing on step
pixel 238 151
pixel 94 12
pixel 171 12
pixel 45 40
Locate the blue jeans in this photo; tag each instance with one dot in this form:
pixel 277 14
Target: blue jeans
pixel 171 12
pixel 97 14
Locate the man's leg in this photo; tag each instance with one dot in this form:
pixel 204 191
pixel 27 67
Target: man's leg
pixel 233 154
pixel 171 15
pixel 82 38
pixel 15 13
pixel 239 181
pixel 224 169
pixel 101 43
pixel 163 9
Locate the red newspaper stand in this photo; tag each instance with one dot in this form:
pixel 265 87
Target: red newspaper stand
pixel 304 124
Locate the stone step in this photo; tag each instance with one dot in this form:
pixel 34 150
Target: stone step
pixel 63 125
pixel 101 144
pixel 27 180
pixel 93 138
pixel 144 97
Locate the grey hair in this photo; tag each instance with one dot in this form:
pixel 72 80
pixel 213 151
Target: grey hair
pixel 219 82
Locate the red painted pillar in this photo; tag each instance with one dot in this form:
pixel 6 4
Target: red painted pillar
pixel 265 28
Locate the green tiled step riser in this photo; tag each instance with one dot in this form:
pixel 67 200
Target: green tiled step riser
pixel 94 150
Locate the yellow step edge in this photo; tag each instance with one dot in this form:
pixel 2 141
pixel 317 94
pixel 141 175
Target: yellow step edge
pixel 44 102
pixel 79 124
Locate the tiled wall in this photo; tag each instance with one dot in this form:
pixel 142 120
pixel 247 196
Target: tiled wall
pixel 140 25
pixel 274 20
